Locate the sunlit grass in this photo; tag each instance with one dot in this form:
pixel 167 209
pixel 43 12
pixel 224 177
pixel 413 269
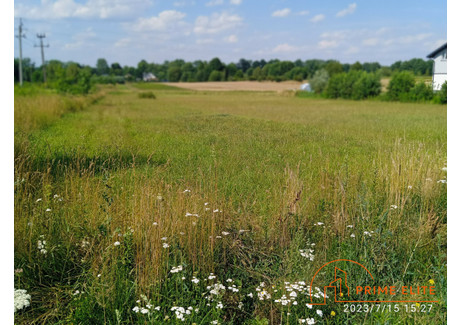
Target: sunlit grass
pixel 230 183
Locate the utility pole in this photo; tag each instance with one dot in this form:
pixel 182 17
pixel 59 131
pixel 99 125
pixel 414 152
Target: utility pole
pixel 20 36
pixel 41 37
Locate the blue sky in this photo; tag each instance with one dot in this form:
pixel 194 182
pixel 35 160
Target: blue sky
pixel 127 31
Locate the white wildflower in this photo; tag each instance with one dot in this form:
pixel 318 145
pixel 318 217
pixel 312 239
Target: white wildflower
pixel 165 245
pixel 442 181
pixel 393 207
pixel 176 269
pixel 225 233
pixel 195 280
pixel 319 312
pixel 48 210
pixel 38 200
pixel 117 243
pixel 352 236
pixel 21 299
pixel 187 191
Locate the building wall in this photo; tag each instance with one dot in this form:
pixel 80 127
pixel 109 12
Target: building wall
pixel 439 70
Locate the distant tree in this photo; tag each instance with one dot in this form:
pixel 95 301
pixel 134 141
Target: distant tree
pixel 116 69
pixel 216 65
pixel 174 73
pixel 142 67
pixel 319 81
pixel 231 71
pixel 102 67
pixel 216 76
pixel 243 65
pixel 333 67
pixel 400 85
pixel 356 66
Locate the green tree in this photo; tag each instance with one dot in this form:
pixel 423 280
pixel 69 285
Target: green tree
pixel 174 73
pixel 333 67
pixel 319 81
pixel 216 76
pixel 400 85
pixel 102 67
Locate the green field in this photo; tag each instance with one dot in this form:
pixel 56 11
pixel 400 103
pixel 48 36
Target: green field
pixel 124 189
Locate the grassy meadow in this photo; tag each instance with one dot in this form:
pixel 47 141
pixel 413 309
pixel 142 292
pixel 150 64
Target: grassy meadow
pixel 201 207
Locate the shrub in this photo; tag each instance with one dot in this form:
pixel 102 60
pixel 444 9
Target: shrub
pixel 441 96
pixel 319 81
pixel 353 85
pixel 368 85
pixel 216 76
pixel 147 94
pixel 421 92
pixel 400 85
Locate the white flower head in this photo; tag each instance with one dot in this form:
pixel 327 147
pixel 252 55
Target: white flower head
pixel 21 299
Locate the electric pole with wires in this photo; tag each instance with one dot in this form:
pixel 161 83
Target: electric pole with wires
pixel 41 37
pixel 20 36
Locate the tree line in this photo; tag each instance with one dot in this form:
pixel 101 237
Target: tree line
pixel 213 70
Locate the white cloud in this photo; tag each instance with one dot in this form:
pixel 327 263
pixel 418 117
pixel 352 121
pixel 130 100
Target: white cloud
pixel 347 11
pixel 328 44
pixel 352 50
pixel 80 39
pixel 281 13
pixel 165 20
pixel 304 13
pixel 214 3
pixel 216 23
pixel 236 2
pixel 373 41
pixel 317 18
pixel 231 39
pixel 285 48
pixel 204 41
pixel 123 42
pixel 90 9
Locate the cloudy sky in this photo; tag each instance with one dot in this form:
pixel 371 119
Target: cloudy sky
pixel 127 31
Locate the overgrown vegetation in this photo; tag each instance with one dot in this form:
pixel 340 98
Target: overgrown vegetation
pixel 214 208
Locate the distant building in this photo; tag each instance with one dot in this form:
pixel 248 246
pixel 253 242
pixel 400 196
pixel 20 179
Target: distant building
pixel 439 57
pixel 148 76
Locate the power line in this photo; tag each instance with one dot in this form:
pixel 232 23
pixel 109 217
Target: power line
pixel 20 36
pixel 41 37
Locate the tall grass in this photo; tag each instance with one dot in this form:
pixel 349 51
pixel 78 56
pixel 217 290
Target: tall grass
pixel 229 184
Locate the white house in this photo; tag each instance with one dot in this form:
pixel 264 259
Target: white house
pixel 439 57
pixel 149 76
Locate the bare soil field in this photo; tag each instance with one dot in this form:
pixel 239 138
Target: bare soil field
pixel 238 85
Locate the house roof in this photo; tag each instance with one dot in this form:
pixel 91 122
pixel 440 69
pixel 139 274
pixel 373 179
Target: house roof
pixel 435 52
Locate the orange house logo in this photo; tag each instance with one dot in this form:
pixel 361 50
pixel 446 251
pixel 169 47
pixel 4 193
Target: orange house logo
pixel 342 290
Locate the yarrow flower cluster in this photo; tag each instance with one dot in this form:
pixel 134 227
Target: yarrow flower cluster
pixel 308 253
pixel 21 299
pixel 41 245
pixel 181 312
pixel 176 269
pixel 148 306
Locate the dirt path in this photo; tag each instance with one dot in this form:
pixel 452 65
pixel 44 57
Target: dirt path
pixel 238 85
